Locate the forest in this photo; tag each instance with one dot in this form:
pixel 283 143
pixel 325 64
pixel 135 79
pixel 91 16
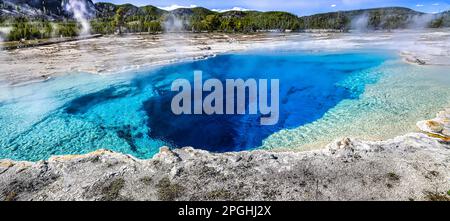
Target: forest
pixel 127 18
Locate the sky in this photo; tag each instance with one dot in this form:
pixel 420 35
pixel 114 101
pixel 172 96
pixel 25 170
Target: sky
pixel 299 7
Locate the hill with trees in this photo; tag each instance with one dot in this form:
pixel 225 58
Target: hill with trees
pixel 44 19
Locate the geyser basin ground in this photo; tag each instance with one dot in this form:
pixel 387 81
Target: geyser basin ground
pixel 322 97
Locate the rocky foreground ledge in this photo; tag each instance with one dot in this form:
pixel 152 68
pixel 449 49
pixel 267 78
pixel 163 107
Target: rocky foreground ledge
pixel 410 167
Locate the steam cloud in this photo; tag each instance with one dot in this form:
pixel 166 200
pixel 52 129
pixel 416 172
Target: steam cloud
pixel 173 24
pixel 81 14
pixel 421 21
pixel 361 23
pixel 4 31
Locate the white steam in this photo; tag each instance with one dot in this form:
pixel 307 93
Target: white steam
pixel 421 21
pixel 360 23
pixel 4 31
pixel 175 37
pixel 173 24
pixel 81 14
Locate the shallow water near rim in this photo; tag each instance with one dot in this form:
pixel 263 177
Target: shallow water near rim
pixel 322 96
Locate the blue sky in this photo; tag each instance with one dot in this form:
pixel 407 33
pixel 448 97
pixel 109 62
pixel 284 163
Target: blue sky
pixel 299 7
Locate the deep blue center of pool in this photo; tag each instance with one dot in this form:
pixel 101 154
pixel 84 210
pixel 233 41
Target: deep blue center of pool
pixel 134 115
pixel 308 89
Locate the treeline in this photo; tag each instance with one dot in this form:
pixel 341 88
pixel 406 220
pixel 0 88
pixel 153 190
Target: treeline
pixel 129 18
pixel 118 19
pixel 335 21
pixel 195 20
pixel 24 29
pixel 371 19
pixel 376 19
pixel 443 20
pixel 236 21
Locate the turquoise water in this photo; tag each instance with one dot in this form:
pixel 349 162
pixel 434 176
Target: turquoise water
pixel 130 112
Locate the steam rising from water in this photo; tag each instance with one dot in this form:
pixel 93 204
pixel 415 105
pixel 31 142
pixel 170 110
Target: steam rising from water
pixel 173 24
pixel 421 21
pixel 174 32
pixel 81 14
pixel 4 31
pixel 361 23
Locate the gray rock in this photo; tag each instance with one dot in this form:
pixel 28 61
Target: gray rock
pixel 411 167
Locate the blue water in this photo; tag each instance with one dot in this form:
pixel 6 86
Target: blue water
pixel 131 113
